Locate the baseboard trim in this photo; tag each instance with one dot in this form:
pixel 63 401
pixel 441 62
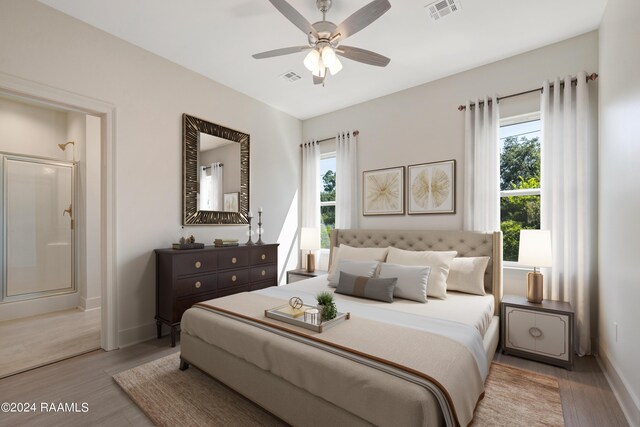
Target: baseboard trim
pixel 87 304
pixel 131 336
pixel 628 403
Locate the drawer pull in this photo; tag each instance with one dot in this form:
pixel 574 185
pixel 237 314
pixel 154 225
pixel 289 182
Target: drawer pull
pixel 234 260
pixel 535 332
pixel 234 278
pixel 198 264
pixel 264 256
pixel 198 284
pixel 264 272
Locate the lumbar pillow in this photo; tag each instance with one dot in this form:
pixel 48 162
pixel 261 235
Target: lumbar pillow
pixel 358 268
pixel 467 274
pixel 439 261
pixel 366 287
pixel 412 280
pixel 354 254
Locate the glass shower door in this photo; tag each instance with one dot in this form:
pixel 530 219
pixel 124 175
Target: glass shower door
pixel 38 227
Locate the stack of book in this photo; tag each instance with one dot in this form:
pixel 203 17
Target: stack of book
pixel 225 242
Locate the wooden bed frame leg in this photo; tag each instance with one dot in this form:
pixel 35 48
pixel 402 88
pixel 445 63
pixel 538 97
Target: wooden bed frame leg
pixel 184 365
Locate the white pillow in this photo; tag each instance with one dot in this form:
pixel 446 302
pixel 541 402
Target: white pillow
pixel 467 274
pixel 412 280
pixel 439 262
pixel 354 254
pixel 357 268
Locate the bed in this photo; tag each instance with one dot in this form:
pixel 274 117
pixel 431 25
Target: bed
pixel 407 377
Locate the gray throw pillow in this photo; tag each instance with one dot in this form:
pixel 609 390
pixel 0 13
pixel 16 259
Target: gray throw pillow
pixel 366 287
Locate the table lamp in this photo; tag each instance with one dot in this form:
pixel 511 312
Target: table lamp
pixel 310 241
pixel 535 251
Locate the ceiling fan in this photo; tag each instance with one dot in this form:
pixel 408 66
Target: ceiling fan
pixel 324 38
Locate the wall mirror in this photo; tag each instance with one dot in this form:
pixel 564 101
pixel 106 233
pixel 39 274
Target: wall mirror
pixel 216 174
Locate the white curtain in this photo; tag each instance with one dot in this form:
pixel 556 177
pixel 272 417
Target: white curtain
pixel 346 181
pixel 568 199
pixel 482 166
pixel 311 185
pixel 216 187
pixel 204 201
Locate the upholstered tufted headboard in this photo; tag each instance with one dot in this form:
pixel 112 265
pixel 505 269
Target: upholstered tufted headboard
pixel 467 243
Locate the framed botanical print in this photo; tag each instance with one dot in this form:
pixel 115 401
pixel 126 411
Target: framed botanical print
pixel 431 188
pixel 383 191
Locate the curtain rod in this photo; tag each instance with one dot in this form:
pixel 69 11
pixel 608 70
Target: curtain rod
pixel 209 167
pixel 591 76
pixel 354 133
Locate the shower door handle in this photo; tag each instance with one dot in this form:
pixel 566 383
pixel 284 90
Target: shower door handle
pixel 69 210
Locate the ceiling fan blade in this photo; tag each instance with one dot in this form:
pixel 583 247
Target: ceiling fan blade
pixel 363 55
pixel 294 16
pixel 361 18
pixel 279 52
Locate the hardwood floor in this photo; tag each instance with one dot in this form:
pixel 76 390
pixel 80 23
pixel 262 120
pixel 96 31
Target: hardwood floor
pixel 39 340
pixel 586 397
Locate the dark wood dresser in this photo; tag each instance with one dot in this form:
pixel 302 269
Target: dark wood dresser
pixel 185 277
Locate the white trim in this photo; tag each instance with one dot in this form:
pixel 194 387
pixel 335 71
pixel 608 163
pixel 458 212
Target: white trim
pixel 629 403
pixel 520 118
pixel 136 335
pixel 88 304
pixel 520 192
pixel 58 98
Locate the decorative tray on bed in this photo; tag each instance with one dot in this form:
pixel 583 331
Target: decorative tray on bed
pixel 285 313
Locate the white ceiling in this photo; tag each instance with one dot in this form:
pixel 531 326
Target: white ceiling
pixel 216 38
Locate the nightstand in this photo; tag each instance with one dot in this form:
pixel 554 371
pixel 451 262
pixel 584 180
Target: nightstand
pixel 542 332
pixel 301 274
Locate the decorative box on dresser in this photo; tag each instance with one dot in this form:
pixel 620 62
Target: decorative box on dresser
pixel 185 277
pixel 542 332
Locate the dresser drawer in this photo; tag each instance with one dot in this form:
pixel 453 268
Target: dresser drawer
pixel 233 258
pixel 264 272
pixel 233 278
pixel 263 254
pixel 262 285
pixel 232 290
pixel 196 285
pixel 194 263
pixel 536 332
pixel 183 304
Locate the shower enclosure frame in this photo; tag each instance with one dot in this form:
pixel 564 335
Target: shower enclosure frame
pixel 4 157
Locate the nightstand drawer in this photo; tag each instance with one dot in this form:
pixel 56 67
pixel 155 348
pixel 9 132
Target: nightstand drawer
pixel 536 332
pixel 292 277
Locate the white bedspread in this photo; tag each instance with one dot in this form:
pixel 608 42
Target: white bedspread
pixel 473 310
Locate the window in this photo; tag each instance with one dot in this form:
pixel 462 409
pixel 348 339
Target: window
pixel 327 197
pixel 519 180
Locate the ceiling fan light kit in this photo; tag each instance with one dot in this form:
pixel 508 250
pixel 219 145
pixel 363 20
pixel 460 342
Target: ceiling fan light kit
pixel 324 38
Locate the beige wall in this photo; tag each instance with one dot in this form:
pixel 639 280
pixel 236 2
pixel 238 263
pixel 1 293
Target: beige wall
pixel 151 94
pixel 619 194
pixel 422 124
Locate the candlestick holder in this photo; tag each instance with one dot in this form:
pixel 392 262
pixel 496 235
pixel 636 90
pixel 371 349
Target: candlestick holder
pixel 250 233
pixel 260 230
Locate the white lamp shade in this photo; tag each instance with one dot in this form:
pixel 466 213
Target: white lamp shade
pixel 336 67
pixel 311 61
pixel 328 56
pixel 309 239
pixel 535 248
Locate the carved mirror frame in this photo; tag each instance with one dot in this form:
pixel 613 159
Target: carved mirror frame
pixel 191 126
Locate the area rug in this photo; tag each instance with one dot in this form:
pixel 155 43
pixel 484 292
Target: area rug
pixel 171 397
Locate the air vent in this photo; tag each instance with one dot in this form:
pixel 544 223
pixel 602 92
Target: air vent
pixel 441 8
pixel 290 76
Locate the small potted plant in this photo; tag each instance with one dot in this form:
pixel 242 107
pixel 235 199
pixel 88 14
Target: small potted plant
pixel 326 306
